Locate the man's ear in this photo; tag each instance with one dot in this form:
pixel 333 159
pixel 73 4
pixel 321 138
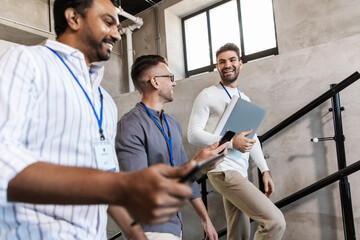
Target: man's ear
pixel 73 18
pixel 154 83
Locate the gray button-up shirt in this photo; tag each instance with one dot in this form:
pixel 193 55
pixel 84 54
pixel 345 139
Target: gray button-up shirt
pixel 140 143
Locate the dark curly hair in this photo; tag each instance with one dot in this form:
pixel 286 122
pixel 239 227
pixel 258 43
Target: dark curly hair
pixel 59 12
pixel 228 47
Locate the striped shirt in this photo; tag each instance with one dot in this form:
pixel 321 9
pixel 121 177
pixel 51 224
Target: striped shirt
pixel 45 116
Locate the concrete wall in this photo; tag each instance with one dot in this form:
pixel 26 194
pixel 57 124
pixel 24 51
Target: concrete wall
pixel 37 12
pixel 318 45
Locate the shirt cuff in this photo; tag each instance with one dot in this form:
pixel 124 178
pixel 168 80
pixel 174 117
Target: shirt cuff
pixel 13 159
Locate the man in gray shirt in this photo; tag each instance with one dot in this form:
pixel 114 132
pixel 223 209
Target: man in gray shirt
pixel 147 136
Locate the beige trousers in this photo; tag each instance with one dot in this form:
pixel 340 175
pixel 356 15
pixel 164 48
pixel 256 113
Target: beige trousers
pixel 243 200
pixel 161 236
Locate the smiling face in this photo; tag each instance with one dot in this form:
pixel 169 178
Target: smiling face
pixel 99 31
pixel 228 65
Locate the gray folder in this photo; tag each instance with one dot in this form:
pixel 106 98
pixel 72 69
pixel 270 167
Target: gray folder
pixel 240 117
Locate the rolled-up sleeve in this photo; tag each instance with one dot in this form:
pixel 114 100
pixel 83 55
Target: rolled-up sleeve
pixel 130 146
pixel 18 96
pixel 13 159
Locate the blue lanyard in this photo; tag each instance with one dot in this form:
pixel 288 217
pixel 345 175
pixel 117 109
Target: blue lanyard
pixel 227 90
pixel 168 138
pixel 102 137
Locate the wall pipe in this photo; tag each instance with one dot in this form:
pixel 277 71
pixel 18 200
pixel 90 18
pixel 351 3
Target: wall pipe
pixel 138 22
pixel 130 56
pixel 157 31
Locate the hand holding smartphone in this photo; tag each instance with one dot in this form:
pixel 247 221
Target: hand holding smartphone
pixel 226 138
pixel 201 166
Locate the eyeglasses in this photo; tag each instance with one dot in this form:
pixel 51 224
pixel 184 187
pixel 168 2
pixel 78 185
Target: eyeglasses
pixel 171 76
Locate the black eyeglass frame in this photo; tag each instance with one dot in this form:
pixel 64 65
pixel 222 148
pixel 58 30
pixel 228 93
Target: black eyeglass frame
pixel 171 76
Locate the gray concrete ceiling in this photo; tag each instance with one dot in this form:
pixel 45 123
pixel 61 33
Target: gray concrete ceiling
pixel 136 6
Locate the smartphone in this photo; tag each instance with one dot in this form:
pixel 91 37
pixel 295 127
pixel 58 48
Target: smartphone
pixel 203 165
pixel 226 138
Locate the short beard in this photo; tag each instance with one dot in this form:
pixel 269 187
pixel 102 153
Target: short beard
pixel 100 54
pixel 101 57
pixel 230 80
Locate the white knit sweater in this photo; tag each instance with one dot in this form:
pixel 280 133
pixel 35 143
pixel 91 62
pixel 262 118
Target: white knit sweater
pixel 208 107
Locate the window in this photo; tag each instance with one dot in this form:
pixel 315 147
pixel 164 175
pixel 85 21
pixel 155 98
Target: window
pixel 220 27
pixel 247 23
pixel 197 30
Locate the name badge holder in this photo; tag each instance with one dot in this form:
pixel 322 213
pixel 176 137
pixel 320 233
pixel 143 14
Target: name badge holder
pixel 105 155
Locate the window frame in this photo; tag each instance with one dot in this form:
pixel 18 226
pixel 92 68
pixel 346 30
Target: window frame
pixel 245 58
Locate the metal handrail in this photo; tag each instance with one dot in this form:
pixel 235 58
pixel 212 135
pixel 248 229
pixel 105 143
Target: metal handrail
pixel 117 235
pixel 319 100
pixel 319 184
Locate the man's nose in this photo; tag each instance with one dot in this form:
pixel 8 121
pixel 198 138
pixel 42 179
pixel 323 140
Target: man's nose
pixel 227 64
pixel 115 34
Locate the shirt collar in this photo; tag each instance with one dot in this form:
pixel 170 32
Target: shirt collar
pixel 64 49
pixel 156 113
pixel 96 72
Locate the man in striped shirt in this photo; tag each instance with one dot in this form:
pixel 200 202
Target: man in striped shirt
pixel 59 172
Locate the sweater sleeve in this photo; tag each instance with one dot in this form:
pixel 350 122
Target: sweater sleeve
pixel 200 113
pixel 258 156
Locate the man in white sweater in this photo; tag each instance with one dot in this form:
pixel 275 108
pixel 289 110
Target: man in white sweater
pixel 241 198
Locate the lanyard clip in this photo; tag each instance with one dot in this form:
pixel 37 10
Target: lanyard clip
pixel 102 137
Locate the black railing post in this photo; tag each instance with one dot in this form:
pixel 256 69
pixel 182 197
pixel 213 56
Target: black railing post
pixel 344 186
pixel 261 183
pixel 204 193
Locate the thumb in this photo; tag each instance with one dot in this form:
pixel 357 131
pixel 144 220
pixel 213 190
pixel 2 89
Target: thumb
pixel 184 169
pixel 213 146
pixel 248 131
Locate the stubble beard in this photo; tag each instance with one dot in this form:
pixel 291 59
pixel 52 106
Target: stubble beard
pixel 229 80
pixel 99 51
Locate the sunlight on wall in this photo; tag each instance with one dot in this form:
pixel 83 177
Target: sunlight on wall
pixel 5 45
